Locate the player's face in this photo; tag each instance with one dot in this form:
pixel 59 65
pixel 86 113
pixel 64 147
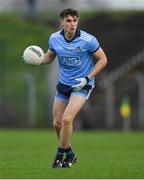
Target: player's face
pixel 69 24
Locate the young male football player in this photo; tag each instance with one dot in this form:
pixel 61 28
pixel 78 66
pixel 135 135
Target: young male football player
pixel 75 50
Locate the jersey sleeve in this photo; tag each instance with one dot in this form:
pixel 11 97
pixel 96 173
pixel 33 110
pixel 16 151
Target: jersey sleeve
pixel 51 44
pixel 94 45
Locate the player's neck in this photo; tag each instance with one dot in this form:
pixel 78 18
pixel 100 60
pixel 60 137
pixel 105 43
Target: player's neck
pixel 69 36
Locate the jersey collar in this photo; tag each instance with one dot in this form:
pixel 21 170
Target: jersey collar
pixel 77 34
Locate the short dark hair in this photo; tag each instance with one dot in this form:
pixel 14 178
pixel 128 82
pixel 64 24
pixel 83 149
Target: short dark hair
pixel 70 12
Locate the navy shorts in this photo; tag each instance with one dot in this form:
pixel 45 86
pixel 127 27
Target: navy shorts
pixel 64 92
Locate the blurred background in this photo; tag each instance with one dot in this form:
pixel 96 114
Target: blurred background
pixel 27 92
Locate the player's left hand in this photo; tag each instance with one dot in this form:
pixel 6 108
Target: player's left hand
pixel 83 82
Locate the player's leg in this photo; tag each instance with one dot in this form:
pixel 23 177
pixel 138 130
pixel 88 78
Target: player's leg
pixel 58 110
pixel 76 102
pixel 59 107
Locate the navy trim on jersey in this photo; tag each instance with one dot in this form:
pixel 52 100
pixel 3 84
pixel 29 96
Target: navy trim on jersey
pixel 52 50
pixel 77 34
pixel 95 50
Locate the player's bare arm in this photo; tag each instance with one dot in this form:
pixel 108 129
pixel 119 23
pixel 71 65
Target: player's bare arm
pixel 100 56
pixel 48 57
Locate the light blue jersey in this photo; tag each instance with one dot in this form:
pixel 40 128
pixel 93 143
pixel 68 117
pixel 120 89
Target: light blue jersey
pixel 74 56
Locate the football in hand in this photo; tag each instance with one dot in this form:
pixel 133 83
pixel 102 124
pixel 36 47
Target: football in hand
pixel 33 55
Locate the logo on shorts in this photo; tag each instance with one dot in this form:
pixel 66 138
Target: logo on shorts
pixel 83 90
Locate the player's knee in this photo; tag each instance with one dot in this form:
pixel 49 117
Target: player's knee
pixel 67 120
pixel 57 124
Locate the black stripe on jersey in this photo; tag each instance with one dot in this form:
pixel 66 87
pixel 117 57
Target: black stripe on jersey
pixel 95 50
pixel 52 50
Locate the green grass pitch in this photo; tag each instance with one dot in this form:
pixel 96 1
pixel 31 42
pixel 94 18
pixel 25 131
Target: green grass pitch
pixel 110 154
